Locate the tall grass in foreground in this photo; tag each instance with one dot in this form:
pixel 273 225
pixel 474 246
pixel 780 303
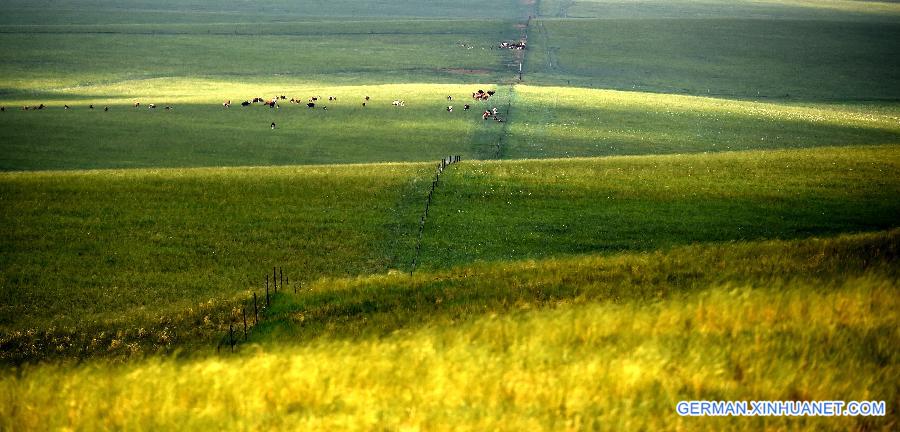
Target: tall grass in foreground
pixel 823 334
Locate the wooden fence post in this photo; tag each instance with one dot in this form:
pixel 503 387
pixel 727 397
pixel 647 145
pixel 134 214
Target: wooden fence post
pixel 231 334
pixel 244 315
pixel 255 310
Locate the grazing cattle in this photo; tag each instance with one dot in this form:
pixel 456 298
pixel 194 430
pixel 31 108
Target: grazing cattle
pixel 257 99
pixel 273 125
pixel 91 106
pixel 450 108
pixel 150 106
pixel 313 99
pixel 310 105
pixel 137 104
pixel 245 103
pixel 2 109
pixel 26 108
pixel 486 114
pixel 364 104
pixel 65 107
pixel 449 97
pixel 398 103
pixel 282 97
pixel 41 106
pixel 325 108
pixel 331 98
pixel 494 111
pixel 227 104
pixel 105 109
pixel 367 98
pixel 168 108
pixel 490 92
pixel 466 107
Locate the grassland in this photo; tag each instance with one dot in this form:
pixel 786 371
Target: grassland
pixel 728 230
pixel 97 246
pixel 692 323
pixel 734 58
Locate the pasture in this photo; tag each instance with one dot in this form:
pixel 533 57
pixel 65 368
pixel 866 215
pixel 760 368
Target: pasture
pixel 684 200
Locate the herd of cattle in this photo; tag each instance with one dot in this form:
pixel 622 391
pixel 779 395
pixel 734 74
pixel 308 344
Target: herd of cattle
pixel 311 102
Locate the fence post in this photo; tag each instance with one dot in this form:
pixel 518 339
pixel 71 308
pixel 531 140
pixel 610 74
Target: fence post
pixel 244 315
pixel 267 291
pixel 274 279
pixel 255 310
pixel 281 276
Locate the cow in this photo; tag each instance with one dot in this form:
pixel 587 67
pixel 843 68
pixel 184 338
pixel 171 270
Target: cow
pixel 168 108
pixel 227 104
pixel 313 99
pixel 367 98
pixel 41 106
pixel 283 97
pixel 105 109
pixel 494 111
pixel 398 103
pixel 332 98
pixel 311 105
pixel 491 92
pixel 2 109
pixel 149 106
pixel 324 108
pixel 450 108
pixel 257 99
pixel 449 97
pixel 364 104
pixel 466 107
pixel 273 125
pixel 485 115
pixel 137 104
pixel 91 106
pixel 245 103
pixel 65 107
pixel 26 108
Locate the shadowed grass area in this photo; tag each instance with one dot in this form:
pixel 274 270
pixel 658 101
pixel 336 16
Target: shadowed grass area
pixel 620 353
pixel 528 209
pixel 835 59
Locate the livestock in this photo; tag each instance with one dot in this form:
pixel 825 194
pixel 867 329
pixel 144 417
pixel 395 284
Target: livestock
pixel 324 108
pixel 65 107
pixel 466 107
pixel 168 108
pixel 367 98
pixel 137 104
pixel 332 98
pixel 311 105
pixel 227 104
pixel 450 108
pixel 398 103
pixel 273 125
pixel 91 106
pixel 41 106
pixel 105 109
pixel 490 92
pixel 364 104
pixel 486 114
pixel 245 103
pixel 449 97
pixel 2 109
pixel 150 106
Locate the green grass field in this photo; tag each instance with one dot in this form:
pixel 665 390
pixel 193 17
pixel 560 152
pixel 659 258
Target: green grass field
pixel 686 200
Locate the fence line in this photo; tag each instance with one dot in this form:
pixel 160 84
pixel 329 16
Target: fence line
pixel 443 164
